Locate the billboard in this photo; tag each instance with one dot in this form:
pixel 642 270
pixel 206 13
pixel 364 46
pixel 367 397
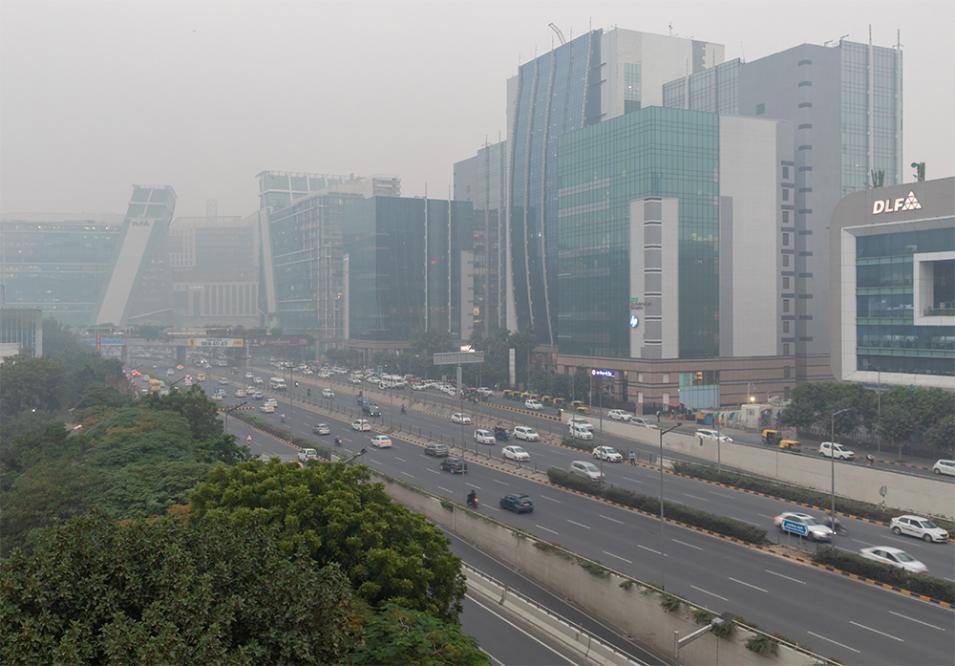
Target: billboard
pixel 215 343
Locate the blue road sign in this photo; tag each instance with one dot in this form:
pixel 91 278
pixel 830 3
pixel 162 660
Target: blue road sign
pixel 795 528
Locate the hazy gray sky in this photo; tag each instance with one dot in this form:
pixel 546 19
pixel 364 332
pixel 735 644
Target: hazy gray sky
pixel 202 94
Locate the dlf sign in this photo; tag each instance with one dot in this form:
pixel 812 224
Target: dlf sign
pixel 895 205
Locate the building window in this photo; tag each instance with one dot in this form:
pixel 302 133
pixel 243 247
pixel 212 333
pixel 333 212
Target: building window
pixel 786 305
pixel 786 325
pixel 804 105
pixel 785 261
pixel 804 84
pixel 786 369
pixel 666 379
pixel 786 283
pixel 760 109
pixel 804 61
pixel 786 350
pixel 805 147
pixel 786 239
pixel 785 173
pixel 785 194
pixel 804 126
pixel 787 217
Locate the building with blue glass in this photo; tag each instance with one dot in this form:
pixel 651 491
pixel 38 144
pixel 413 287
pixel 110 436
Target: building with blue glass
pixel 844 101
pixel 595 77
pixel 673 260
pixel 893 296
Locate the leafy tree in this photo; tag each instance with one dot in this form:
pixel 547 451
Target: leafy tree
pixel 59 340
pixel 388 552
pixel 399 636
pixel 195 406
pixel 942 434
pixel 170 591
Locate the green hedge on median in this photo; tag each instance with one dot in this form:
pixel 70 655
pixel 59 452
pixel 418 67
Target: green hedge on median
pixel 918 583
pixel 794 493
pixel 679 512
pixel 283 433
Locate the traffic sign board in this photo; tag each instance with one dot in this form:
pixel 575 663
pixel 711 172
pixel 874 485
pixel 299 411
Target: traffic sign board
pixel 458 358
pixel 795 528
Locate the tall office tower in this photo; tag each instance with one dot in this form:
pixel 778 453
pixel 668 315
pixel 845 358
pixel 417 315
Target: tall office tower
pixel 404 269
pixel 482 180
pixel 845 103
pixel 597 76
pixel 215 271
pixel 279 190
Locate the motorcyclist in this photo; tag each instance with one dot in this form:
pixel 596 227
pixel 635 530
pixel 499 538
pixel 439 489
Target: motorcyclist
pixel 404 410
pixel 338 441
pixel 472 499
pixel 283 418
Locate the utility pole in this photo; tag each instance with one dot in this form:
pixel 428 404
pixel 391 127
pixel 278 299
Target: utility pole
pixel 663 570
pixel 832 464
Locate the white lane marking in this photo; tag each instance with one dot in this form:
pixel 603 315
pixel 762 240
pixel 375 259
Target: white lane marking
pixel 776 573
pixel 864 543
pixel 505 620
pixel 906 617
pixel 618 557
pixel 763 515
pixel 546 529
pixel 712 594
pixel 492 507
pixel 450 492
pixel 500 482
pixel 401 459
pixel 719 494
pixel 612 520
pixel 550 499
pixel 472 485
pixel 742 582
pixel 876 631
pixel 434 471
pixel 843 645
pixel 688 545
pixel 657 552
pixel 574 522
pixel 410 476
pixel 696 497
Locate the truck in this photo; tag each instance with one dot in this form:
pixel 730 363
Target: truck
pixel 277 384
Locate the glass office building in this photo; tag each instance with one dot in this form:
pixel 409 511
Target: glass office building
pixel 404 266
pixel 656 152
pixel 590 79
pixel 894 314
pixel 844 100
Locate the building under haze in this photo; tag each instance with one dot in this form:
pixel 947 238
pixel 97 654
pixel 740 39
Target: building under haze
pixel 482 181
pixel 215 271
pixel 405 270
pixel 289 274
pixel 673 258
pixel 893 285
pixel 595 77
pixel 21 332
pixel 88 269
pixel 845 102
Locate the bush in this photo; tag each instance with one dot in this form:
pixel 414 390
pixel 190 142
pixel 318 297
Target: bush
pixel 679 512
pixel 670 603
pixel 577 443
pixel 764 645
pixel 930 586
pixel 793 493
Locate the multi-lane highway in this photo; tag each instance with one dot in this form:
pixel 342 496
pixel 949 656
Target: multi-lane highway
pixel 834 615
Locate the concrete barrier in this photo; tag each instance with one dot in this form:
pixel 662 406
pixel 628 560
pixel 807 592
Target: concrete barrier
pixel 629 606
pixel 572 637
pixel 877 486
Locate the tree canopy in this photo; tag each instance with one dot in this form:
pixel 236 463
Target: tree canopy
pixel 388 552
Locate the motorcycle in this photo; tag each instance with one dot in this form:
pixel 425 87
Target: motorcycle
pixel 404 410
pixel 473 501
pixel 836 526
pixel 338 441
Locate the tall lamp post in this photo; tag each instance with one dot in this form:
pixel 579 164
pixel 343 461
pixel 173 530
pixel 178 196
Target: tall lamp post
pixel 662 518
pixel 832 464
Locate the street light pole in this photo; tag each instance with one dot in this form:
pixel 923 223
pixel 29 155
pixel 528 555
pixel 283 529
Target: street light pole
pixel 662 517
pixel 832 465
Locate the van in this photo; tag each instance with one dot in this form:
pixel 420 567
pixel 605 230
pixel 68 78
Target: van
pixel 585 469
pixel 581 430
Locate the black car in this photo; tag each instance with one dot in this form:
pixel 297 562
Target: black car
pixel 454 465
pixel 436 450
pixel 501 434
pixel 371 409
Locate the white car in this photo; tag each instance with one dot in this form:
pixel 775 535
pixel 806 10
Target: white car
pixel 946 467
pixel 361 425
pixel 643 423
pixel 258 380
pixel 484 437
pixel 579 429
pixel 249 375
pixel 618 415
pixel 258 395
pixel 459 417
pixel 307 454
pixel 608 453
pixel 586 469
pixel 321 429
pixel 918 527
pixel 328 393
pixel 836 450
pixel 516 453
pixel 381 441
pixel 705 433
pixel 267 408
pixel 895 557
pixel 802 524
pixel 240 393
pixel 485 391
pixel 272 401
pixel 533 404
pixel 526 434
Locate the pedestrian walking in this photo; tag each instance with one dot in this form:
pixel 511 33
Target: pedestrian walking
pixel 632 456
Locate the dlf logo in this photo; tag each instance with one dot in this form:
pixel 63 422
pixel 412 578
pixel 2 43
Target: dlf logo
pixel 897 205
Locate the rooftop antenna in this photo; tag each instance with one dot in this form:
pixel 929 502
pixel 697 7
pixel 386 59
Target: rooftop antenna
pixel 670 28
pixel 557 32
pixel 742 53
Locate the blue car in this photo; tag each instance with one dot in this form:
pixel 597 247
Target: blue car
pixel 517 503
